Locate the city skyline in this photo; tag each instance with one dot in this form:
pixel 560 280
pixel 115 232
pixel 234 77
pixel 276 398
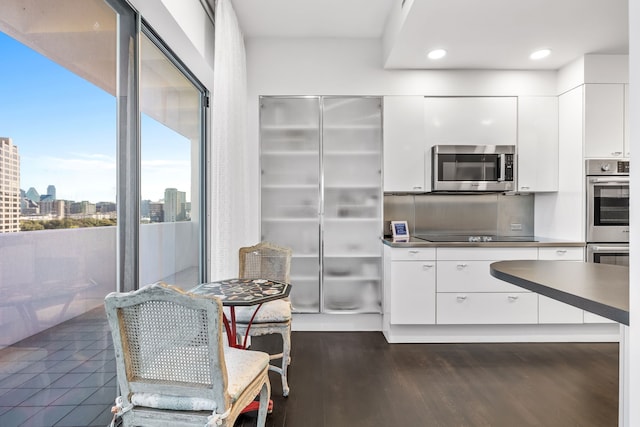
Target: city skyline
pixel 65 128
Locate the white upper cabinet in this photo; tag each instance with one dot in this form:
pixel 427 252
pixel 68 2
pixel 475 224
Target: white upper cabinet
pixel 470 121
pixel 406 167
pixel 537 144
pixel 604 120
pixel 627 144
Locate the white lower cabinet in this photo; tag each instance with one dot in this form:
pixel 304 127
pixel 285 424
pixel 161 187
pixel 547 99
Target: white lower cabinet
pixel 551 311
pixel 454 286
pixel 413 292
pixel 411 285
pixel 487 308
pixel 468 294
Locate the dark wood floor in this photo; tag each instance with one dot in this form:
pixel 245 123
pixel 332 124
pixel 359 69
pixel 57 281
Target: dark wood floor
pixel 357 379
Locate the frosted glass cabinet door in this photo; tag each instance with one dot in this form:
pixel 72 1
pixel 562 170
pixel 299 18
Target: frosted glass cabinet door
pixel 352 149
pixel 290 159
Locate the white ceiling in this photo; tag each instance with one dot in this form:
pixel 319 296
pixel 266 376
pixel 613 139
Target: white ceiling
pixel 478 34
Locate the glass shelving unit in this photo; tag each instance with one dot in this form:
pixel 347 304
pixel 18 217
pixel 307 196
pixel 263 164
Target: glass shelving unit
pixel 321 196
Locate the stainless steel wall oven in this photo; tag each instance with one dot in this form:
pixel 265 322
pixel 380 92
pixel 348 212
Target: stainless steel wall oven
pixel 607 211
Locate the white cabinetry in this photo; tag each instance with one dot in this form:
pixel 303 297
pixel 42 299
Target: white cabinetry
pixel 627 142
pixel 468 294
pixel 537 144
pixel 413 286
pixel 604 120
pixel 550 310
pixel 470 120
pixel 406 166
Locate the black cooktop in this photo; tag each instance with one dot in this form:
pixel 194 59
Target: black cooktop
pixel 473 238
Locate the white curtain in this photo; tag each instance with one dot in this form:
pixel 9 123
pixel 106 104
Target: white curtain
pixel 229 195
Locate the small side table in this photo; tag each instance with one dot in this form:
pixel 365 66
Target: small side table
pixel 242 292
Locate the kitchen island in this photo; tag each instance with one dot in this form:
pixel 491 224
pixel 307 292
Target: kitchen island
pixel 599 288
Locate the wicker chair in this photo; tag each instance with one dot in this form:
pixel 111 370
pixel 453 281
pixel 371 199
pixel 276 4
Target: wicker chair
pixel 268 261
pixel 172 367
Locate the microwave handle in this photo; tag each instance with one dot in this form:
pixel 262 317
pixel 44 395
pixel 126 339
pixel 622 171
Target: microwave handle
pixel 503 166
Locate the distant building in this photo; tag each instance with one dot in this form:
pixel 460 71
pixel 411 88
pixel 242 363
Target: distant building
pixel 105 207
pixel 9 186
pixel 51 192
pixel 82 208
pixel 174 205
pixel 144 208
pixel 156 212
pixel 32 194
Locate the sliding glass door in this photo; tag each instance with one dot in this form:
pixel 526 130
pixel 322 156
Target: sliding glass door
pixel 171 176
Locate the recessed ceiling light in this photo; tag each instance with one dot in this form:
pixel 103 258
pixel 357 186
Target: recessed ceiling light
pixel 437 54
pixel 539 54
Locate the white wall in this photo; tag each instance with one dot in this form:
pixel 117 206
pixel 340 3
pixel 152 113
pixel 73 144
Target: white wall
pixel 354 67
pixel 634 291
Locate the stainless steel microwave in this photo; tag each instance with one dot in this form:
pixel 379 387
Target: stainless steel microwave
pixel 473 168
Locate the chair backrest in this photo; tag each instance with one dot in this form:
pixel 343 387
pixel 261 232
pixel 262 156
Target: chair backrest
pixel 168 342
pixel 266 261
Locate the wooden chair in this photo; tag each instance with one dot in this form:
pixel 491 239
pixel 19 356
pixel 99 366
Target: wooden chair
pixel 268 261
pixel 172 366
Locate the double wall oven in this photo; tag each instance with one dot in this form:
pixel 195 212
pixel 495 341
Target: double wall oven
pixel 607 211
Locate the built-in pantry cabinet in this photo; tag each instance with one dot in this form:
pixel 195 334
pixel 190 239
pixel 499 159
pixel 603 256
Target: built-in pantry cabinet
pixel 453 286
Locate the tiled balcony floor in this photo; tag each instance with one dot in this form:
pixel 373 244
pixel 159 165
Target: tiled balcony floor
pixel 64 376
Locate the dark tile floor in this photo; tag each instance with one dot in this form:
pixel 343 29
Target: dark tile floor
pixel 64 376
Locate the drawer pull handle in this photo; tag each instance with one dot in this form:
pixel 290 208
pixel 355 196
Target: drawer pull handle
pixel 512 298
pixel 427 266
pixel 461 298
pixel 414 252
pixel 417 187
pixel 561 251
pixel 461 266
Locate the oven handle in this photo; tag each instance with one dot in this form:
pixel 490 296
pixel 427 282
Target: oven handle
pixel 610 248
pixel 624 180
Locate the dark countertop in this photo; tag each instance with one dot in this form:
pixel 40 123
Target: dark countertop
pixel 540 242
pixel 602 289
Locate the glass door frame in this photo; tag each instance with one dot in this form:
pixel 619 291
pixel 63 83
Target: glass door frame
pixel 131 27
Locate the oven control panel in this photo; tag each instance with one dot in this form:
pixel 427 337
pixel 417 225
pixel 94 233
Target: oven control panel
pixel 607 167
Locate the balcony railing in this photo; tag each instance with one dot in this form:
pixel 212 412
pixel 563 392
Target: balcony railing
pixel 49 276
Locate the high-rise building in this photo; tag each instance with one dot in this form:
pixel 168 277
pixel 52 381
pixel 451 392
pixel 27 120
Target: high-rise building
pixel 33 195
pixel 51 192
pixel 9 186
pixel 174 205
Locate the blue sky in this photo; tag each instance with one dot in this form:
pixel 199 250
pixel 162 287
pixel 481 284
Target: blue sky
pixel 65 129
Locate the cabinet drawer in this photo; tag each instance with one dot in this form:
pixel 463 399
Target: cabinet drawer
pixel 561 253
pixel 490 308
pixel 495 254
pixel 470 276
pixel 410 254
pixel 552 311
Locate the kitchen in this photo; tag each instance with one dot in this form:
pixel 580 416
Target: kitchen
pixel 280 66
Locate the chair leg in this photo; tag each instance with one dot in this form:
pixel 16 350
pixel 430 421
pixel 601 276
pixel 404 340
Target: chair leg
pixel 265 394
pixel 286 360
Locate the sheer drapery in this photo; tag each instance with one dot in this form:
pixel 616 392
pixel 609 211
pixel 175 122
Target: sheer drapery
pixel 229 195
